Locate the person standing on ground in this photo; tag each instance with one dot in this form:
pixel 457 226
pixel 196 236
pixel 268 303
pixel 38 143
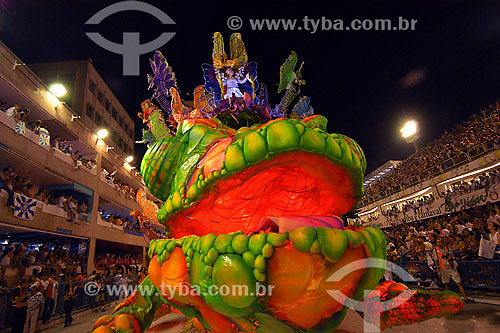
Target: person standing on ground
pixel 447 267
pixel 70 294
pixel 35 302
pixel 50 292
pixel 19 307
pixel 92 298
pixel 4 302
pixel 100 299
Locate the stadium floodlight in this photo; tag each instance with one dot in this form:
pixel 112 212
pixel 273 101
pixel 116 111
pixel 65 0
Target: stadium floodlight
pixel 129 159
pixel 58 90
pixel 409 129
pixel 102 133
pixel 411 133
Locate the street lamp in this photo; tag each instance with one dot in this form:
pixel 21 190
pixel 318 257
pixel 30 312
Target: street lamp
pixel 102 133
pixel 58 90
pixel 411 133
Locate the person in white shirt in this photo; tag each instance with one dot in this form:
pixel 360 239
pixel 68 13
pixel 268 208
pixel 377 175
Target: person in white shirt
pixel 35 302
pixel 460 228
pixel 49 287
pixel 6 257
pixel 494 217
pixel 72 211
pixel 28 272
pixel 12 111
pixel 61 201
pixel 494 228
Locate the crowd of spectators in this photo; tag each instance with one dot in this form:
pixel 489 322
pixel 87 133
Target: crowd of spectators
pixel 27 269
pixel 131 224
pixel 464 139
pixel 439 249
pixel 120 187
pixel 24 260
pixel 12 182
pixel 67 148
pixel 40 280
pixel 484 181
pixel 461 232
pixel 423 203
pixel 22 115
pixel 75 209
pixel 124 262
pixel 416 206
pixel 121 221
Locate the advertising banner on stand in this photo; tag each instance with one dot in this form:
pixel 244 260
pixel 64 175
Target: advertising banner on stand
pixel 440 206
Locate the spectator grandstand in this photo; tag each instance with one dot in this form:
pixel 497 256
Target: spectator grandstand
pixel 12 183
pixel 22 115
pixel 477 135
pixel 54 184
pixel 444 196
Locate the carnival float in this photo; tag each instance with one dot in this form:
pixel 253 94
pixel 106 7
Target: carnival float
pixel 254 197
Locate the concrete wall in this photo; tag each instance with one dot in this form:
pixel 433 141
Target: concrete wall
pixel 55 224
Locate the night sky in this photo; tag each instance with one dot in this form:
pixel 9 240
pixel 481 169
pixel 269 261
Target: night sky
pixel 359 80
